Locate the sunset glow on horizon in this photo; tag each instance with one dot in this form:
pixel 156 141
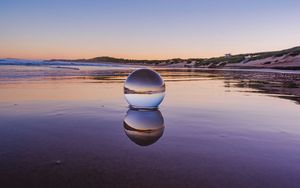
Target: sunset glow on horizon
pixel 135 29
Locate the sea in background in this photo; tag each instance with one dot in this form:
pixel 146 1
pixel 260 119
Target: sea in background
pixel 64 124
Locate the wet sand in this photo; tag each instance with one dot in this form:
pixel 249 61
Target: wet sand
pixel 220 129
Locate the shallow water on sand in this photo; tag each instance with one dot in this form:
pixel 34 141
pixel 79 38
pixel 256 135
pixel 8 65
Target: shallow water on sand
pixel 214 129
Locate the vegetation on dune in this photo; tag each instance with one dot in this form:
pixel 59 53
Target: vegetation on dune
pixel 215 60
pixel 250 56
pixel 292 52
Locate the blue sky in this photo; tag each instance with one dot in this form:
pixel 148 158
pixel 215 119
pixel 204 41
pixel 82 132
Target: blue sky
pixel 141 29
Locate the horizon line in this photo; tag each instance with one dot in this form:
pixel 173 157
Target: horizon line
pixel 145 59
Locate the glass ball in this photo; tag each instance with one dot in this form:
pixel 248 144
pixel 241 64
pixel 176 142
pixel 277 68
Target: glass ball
pixel 144 88
pixel 144 127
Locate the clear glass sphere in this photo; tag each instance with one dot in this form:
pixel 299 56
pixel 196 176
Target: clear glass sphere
pixel 144 88
pixel 143 127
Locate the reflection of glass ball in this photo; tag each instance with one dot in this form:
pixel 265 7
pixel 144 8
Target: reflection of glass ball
pixel 144 127
pixel 144 88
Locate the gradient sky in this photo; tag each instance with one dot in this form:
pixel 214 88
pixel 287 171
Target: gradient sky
pixel 145 29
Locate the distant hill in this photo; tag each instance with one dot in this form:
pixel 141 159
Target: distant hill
pixel 108 59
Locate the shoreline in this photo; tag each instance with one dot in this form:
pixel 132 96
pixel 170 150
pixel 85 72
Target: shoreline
pixel 288 59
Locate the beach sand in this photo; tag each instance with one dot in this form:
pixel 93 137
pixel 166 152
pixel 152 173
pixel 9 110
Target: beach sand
pixel 221 129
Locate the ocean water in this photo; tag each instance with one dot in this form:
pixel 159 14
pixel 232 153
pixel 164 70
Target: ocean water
pixel 62 127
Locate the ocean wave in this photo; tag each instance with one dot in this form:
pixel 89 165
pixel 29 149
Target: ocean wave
pixel 24 62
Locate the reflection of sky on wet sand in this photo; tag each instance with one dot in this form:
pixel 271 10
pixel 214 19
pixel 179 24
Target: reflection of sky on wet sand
pixel 221 129
pixel 68 90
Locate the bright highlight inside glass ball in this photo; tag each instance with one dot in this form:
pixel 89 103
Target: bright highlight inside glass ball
pixel 145 89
